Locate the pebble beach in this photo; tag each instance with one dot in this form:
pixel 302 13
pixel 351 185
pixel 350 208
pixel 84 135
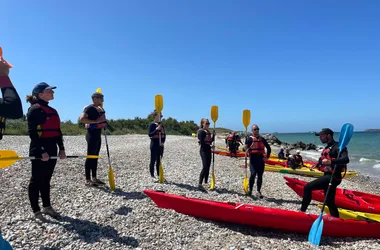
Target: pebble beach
pixel 96 218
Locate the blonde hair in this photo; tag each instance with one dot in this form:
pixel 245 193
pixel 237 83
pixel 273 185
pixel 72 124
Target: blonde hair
pixel 201 123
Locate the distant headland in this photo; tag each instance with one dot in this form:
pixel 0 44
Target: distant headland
pixel 372 130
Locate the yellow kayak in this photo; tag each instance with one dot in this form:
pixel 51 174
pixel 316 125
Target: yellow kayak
pixel 353 215
pixel 272 155
pixel 302 171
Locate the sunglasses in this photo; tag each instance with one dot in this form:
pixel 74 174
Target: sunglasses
pixel 256 129
pixel 207 123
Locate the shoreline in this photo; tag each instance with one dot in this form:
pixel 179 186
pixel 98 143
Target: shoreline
pixel 95 218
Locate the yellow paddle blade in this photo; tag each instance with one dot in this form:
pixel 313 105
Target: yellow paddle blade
pixel 245 185
pixel 99 90
pixel 246 118
pixel 161 174
pixel 159 103
pixel 111 178
pixel 214 113
pixel 212 185
pixel 8 154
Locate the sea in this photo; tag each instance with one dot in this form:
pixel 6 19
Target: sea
pixel 363 150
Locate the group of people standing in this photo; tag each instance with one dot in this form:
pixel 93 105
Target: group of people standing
pixel 44 129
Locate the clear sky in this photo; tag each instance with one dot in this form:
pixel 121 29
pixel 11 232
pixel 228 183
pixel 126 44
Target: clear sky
pixel 297 65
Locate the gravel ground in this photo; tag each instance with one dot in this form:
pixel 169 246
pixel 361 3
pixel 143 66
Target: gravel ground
pixel 95 218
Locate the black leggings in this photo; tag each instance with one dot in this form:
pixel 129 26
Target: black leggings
pixel 206 163
pixel 42 171
pixel 94 141
pixel 156 153
pixel 257 166
pixel 321 183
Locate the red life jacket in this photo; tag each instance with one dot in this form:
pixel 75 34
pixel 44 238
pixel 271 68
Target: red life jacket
pixel 102 115
pixel 257 147
pixel 208 138
pixel 326 155
pixel 157 134
pixel 230 138
pixel 52 125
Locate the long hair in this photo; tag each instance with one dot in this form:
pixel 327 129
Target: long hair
pixel 201 123
pixel 32 99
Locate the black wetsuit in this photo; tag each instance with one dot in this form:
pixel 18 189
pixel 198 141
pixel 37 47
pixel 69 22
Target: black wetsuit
pixel 322 183
pixel 257 165
pixel 42 171
pixel 94 142
pixel 10 104
pixel 205 139
pixel 156 152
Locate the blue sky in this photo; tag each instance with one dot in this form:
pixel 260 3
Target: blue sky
pixel 297 65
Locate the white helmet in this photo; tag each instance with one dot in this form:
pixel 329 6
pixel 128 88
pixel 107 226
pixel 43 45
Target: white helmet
pixel 290 156
pixel 298 151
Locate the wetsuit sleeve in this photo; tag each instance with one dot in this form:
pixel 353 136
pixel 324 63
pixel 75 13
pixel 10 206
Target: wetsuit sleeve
pixel 35 117
pixel 201 137
pixel 152 129
pixel 248 142
pixel 269 150
pixel 163 138
pixel 10 104
pixel 343 159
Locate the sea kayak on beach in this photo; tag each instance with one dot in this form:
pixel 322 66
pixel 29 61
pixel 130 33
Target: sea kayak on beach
pixel 302 171
pixel 345 198
pixel 273 218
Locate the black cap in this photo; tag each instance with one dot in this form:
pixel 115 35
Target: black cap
pixel 325 131
pixel 39 88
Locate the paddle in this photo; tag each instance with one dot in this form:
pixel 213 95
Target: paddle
pixel 317 227
pixel 8 157
pixel 111 177
pixel 246 121
pixel 214 118
pixel 4 245
pixel 159 104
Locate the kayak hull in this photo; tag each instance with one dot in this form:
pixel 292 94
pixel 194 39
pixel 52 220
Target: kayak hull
pixel 344 198
pixel 272 218
pixel 302 171
pixel 353 215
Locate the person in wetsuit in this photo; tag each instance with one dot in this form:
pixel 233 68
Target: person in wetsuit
pixel 281 154
pixel 94 118
pixel 298 158
pixel 327 162
pixel 10 104
pixel 205 138
pixel 255 146
pixel 291 162
pixel 156 131
pixel 44 128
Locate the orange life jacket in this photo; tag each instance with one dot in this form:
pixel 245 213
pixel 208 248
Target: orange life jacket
pixel 326 155
pixel 257 147
pixel 157 134
pixel 52 125
pixel 102 123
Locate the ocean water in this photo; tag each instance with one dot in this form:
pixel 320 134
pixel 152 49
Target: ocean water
pixel 363 150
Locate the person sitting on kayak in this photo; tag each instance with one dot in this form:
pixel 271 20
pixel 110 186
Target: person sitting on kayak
pixel 298 158
pixel 281 154
pixel 206 138
pixel 291 162
pixel 255 146
pixel 287 153
pixel 328 162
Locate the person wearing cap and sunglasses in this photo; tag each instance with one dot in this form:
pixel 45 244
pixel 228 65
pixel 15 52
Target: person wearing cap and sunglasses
pixel 156 131
pixel 327 162
pixel 255 146
pixel 94 118
pixel 10 104
pixel 44 128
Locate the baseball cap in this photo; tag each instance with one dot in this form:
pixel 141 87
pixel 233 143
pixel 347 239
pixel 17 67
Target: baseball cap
pixel 325 131
pixel 39 88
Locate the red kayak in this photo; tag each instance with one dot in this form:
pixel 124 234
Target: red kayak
pixel 348 199
pixel 286 220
